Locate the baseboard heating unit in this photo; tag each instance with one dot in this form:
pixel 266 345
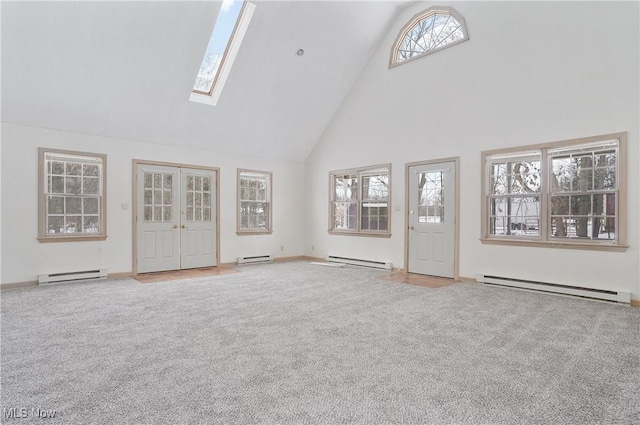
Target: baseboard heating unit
pixel 600 294
pixel 256 259
pixel 357 262
pixel 72 276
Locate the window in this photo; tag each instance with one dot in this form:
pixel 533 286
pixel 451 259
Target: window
pixel 254 202
pixel 72 196
pixel 428 31
pixel 570 193
pixel 224 43
pixel 514 194
pixel 360 201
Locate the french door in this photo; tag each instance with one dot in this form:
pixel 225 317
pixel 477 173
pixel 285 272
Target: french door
pixel 431 219
pixel 175 218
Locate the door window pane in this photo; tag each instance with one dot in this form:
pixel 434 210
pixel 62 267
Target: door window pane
pixel 431 197
pixel 198 191
pixel 158 199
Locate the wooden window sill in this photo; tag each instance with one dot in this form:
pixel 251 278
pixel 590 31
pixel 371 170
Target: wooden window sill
pixel 72 238
pixel 555 244
pixel 371 235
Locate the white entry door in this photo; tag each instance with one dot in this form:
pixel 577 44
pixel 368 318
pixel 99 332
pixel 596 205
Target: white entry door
pixel 198 230
pixel 175 222
pixel 432 219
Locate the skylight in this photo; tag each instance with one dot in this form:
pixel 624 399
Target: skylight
pixel 226 37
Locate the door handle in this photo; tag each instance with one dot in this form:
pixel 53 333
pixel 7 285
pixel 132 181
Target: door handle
pixel 175 226
pixel 412 228
pixel 184 227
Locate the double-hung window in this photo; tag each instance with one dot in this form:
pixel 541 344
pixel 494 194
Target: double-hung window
pixel 514 194
pixel 569 193
pixel 72 196
pixel 254 202
pixel 360 201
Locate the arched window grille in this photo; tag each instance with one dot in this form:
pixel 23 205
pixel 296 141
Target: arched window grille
pixel 427 32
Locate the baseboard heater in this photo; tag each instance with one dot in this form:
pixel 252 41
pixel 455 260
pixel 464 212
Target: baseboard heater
pixel 72 276
pixel 601 294
pixel 357 262
pixel 256 259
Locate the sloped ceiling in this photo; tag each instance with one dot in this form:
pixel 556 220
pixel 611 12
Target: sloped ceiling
pixel 125 70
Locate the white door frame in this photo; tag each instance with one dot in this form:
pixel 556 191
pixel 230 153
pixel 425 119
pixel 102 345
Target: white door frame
pixel 456 237
pixel 134 204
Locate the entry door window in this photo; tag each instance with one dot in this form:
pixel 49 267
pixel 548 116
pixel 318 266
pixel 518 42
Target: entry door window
pixel 198 207
pixel 158 195
pixel 431 197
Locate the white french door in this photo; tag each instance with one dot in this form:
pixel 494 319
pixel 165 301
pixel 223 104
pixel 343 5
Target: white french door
pixel 432 219
pixel 175 219
pixel 197 229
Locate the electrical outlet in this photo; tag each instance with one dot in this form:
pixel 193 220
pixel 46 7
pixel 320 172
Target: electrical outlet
pixel 281 247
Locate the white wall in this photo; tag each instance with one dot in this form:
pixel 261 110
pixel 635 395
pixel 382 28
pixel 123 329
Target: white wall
pixel 532 72
pixel 23 257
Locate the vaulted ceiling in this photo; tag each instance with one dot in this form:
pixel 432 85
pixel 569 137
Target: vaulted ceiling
pixel 125 70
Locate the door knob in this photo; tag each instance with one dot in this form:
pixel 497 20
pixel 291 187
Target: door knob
pixel 175 226
pixel 412 228
pixel 184 227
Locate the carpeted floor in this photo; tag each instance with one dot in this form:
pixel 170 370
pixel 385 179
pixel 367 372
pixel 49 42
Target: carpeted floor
pixel 294 343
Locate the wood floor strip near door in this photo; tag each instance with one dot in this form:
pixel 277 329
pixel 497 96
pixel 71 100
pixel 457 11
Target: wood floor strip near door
pixel 183 274
pixel 418 279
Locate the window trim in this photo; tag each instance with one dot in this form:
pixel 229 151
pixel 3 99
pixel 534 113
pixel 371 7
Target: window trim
pixel 358 231
pixel 544 240
pixel 228 58
pixel 269 230
pixel 42 235
pixel 393 62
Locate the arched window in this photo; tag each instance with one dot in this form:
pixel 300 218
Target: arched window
pixel 427 32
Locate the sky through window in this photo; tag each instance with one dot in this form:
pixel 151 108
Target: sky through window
pixel 223 30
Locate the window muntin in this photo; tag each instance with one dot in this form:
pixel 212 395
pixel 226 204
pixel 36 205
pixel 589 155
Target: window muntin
pixel 431 30
pixel 254 201
pixel 72 198
pixel 567 192
pixel 360 201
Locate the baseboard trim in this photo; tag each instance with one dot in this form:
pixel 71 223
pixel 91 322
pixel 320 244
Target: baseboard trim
pixel 635 302
pixel 18 285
